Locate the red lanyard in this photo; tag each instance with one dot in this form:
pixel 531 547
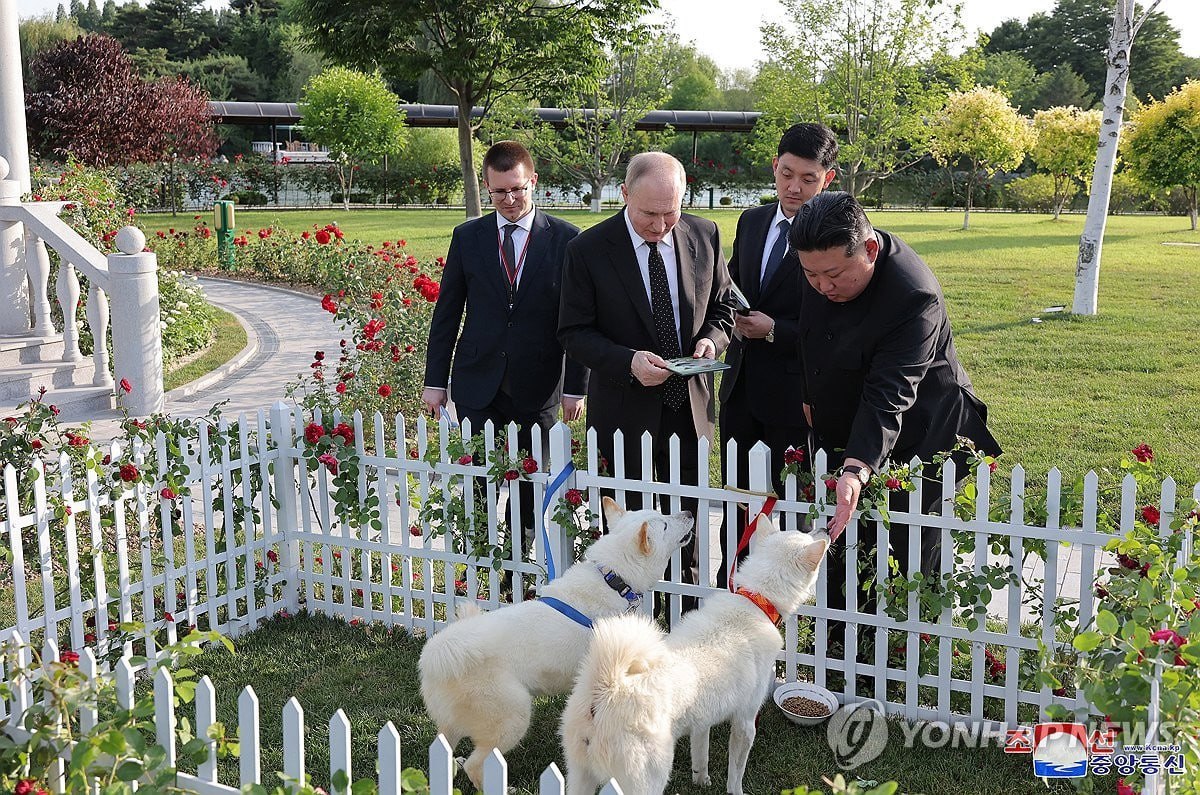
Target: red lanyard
pixel 512 273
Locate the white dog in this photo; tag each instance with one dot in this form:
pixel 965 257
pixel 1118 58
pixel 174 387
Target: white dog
pixel 480 674
pixel 639 691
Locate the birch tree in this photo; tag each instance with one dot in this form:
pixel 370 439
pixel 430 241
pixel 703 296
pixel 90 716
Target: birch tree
pixel 1120 43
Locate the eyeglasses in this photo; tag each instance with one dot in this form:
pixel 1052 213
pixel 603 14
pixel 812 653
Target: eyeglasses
pixel 516 193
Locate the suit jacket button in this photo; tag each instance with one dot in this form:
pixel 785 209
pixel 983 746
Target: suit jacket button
pixel 828 334
pixel 503 354
pixel 816 371
pixel 510 324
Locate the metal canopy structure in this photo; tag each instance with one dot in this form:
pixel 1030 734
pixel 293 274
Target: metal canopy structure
pixel 282 113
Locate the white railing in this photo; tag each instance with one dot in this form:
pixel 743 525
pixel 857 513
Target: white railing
pixel 259 532
pixel 129 278
pixel 202 715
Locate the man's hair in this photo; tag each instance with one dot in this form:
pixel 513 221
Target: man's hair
pixel 811 142
pixel 659 163
pixel 828 220
pixel 505 156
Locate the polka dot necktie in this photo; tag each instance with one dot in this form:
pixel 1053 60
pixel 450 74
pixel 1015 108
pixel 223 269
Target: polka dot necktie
pixel 777 252
pixel 675 388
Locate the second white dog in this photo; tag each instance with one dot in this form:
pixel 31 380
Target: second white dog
pixel 638 691
pixel 480 674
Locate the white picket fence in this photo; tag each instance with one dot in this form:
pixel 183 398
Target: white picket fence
pixel 287 550
pixel 203 715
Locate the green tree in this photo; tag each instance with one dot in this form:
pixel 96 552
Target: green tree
pixel 980 126
pixel 1012 75
pixel 694 83
pixel 861 67
pixel 1065 148
pixel 480 50
pixel 1164 144
pixel 356 116
pixel 1062 87
pixel 39 34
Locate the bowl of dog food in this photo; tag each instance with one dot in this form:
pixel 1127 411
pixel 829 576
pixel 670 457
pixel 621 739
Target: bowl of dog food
pixel 805 703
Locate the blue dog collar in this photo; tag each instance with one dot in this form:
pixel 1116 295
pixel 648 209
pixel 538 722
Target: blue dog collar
pixel 619 585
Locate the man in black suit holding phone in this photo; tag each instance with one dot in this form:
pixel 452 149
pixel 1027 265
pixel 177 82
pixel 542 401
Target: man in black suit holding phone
pixel 764 368
pixel 505 271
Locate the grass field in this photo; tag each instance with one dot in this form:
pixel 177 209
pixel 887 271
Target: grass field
pixel 372 675
pixel 229 338
pixel 1070 392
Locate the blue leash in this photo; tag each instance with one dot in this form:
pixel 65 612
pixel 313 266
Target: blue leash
pixel 551 490
pixel 566 610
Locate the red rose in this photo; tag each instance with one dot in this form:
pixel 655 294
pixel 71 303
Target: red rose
pixel 330 461
pixel 1150 515
pixel 465 459
pixel 36 444
pixel 793 456
pixel 329 305
pixel 89 638
pixel 892 483
pixel 69 657
pixel 1143 453
pixel 530 465
pixel 831 483
pixel 305 235
pixel 126 387
pixel 129 473
pixel 415 530
pixel 385 391
pixel 511 475
pixel 377 300
pixel 313 433
pixel 574 497
pixel 1125 789
pixel 25 787
pixel 460 587
pixel 345 431
pixel 169 617
pixel 272 556
pixel 319 356
pixel 322 236
pixel 167 493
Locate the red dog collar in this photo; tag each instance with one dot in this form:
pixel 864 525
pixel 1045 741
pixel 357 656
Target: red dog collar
pixel 763 604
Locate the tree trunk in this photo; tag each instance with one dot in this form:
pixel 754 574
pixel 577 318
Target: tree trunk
pixel 596 188
pixel 1087 265
pixel 1060 195
pixel 1195 192
pixel 967 213
pixel 466 155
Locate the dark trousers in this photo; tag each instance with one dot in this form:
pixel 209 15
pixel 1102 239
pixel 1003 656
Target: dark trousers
pixel 680 424
pixel 739 423
pixel 898 538
pixel 501 412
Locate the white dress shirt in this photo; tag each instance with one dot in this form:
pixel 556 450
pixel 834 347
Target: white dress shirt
pixel 666 247
pixel 520 238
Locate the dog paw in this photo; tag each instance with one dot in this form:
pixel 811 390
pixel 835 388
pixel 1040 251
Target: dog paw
pixel 701 778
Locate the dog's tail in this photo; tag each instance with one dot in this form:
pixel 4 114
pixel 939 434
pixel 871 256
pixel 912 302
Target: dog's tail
pixel 618 717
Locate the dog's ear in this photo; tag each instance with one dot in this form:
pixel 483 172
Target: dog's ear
pixel 644 539
pixel 814 553
pixel 764 527
pixel 612 511
pixel 637 667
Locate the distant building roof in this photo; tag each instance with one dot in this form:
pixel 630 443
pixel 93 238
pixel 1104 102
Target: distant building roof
pixel 447 116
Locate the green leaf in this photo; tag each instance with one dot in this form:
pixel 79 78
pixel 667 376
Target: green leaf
pixel 1087 641
pixel 1106 622
pixel 129 771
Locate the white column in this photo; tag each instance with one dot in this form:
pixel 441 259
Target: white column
pixel 14 293
pixel 14 145
pixel 136 336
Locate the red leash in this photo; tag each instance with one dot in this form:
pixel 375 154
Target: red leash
pixel 768 506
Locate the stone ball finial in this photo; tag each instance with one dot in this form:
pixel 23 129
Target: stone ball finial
pixel 3 168
pixel 130 240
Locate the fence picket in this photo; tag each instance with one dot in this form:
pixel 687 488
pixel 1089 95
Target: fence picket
pixel 45 553
pixel 339 748
pixel 293 739
pixel 551 781
pixel 390 766
pixel 441 766
pixel 164 713
pixel 206 716
pixel 1050 590
pixel 229 529
pixel 207 488
pixel 150 616
pixel 16 546
pixel 495 774
pixel 90 668
pixel 99 578
pixel 612 788
pixel 946 618
pixel 70 535
pixel 249 737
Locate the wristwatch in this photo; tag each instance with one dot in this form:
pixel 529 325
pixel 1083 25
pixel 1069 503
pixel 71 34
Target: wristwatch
pixel 862 473
pixel 771 334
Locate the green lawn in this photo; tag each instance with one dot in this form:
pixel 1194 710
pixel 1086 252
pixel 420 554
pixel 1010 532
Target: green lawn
pixel 229 338
pixel 371 675
pixel 1069 392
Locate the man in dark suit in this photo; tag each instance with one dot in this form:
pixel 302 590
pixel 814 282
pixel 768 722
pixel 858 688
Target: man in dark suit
pixel 505 270
pixel 645 285
pixel 764 368
pixel 882 379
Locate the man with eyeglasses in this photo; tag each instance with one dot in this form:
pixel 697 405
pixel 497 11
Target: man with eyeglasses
pixel 501 284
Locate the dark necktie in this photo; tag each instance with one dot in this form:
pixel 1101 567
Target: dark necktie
pixel 510 259
pixel 674 389
pixel 777 252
